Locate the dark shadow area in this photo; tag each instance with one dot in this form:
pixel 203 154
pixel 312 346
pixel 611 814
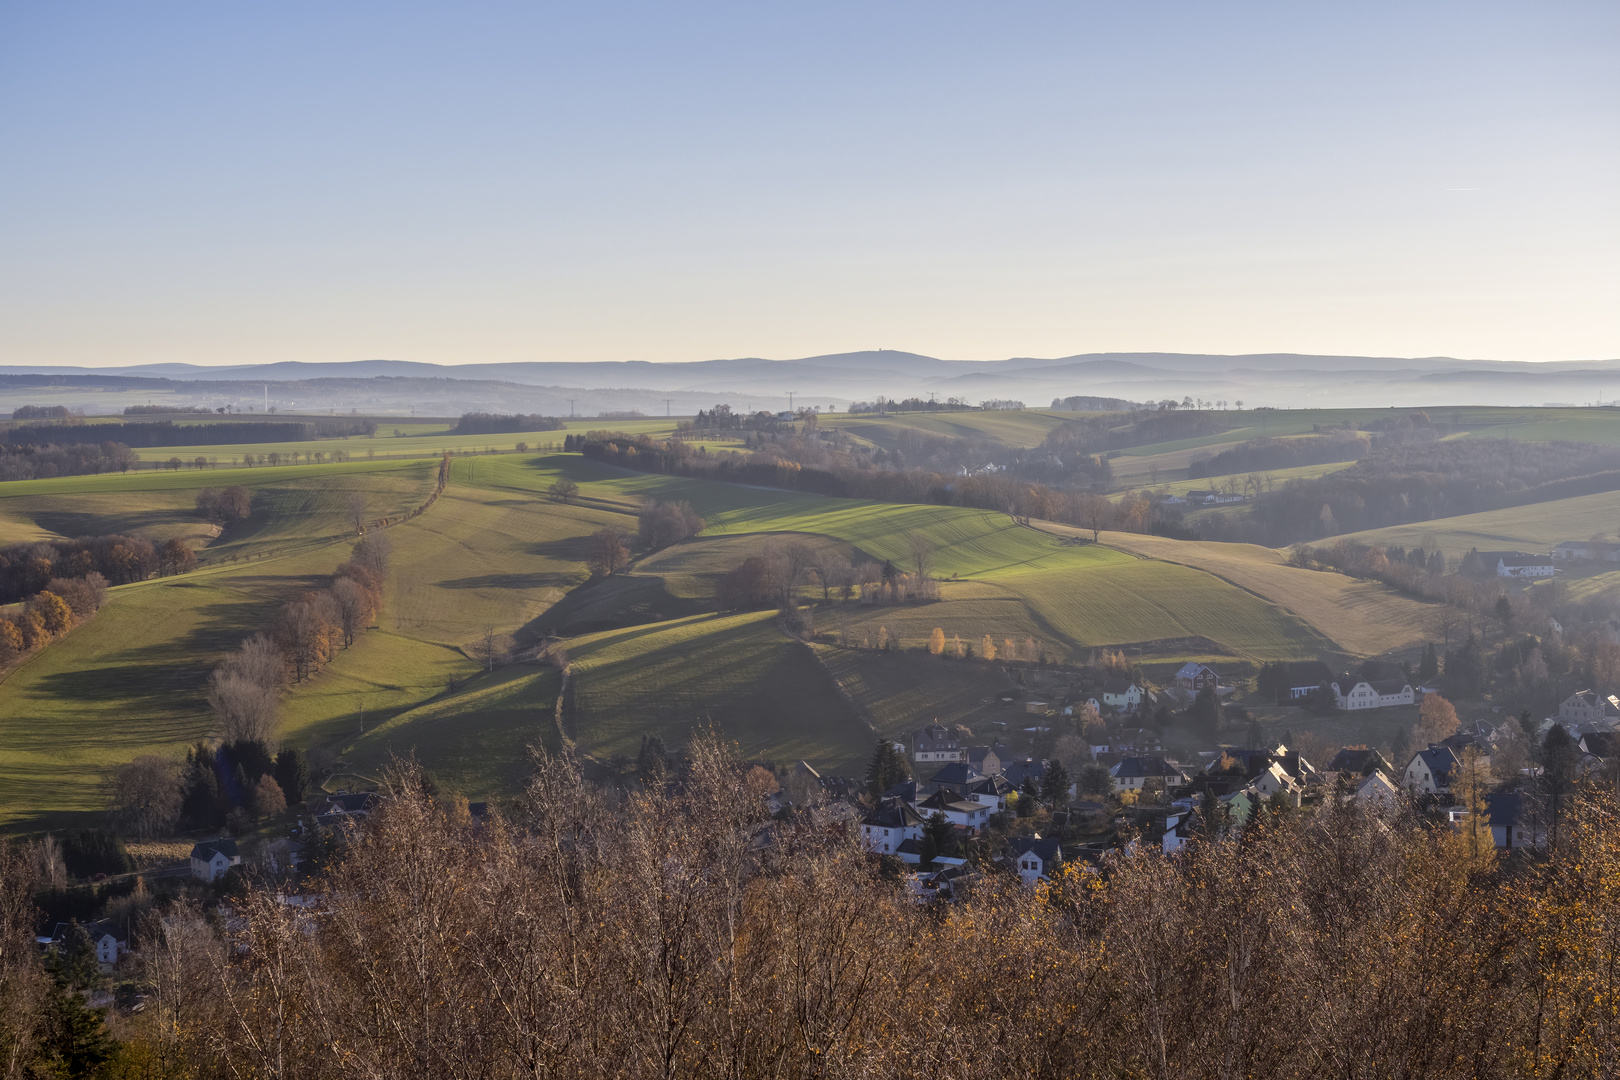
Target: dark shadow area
pixel 509 581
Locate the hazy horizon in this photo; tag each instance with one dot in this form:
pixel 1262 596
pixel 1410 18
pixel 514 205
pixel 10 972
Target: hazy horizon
pixel 214 185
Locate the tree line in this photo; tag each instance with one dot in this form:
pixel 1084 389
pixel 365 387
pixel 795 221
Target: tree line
pixel 29 461
pixel 167 433
pixel 482 423
pixel 676 931
pixel 991 491
pixel 1421 481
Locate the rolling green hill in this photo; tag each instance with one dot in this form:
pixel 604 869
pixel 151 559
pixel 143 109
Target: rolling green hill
pixel 495 553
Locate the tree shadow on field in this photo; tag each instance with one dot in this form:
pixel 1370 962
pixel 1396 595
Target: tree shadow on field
pixel 82 523
pixel 133 680
pixel 572 549
pixel 511 581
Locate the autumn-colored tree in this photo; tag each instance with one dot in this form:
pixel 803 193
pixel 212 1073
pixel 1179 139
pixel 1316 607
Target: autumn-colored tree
pixel 11 640
pixel 936 642
pixel 958 650
pixel 55 617
pixel 1470 783
pixel 268 799
pixel 987 648
pixel 1009 649
pixel 1437 721
pixel 606 554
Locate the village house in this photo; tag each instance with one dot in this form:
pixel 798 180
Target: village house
pixel 1034 857
pixel 1134 773
pixel 1585 705
pixel 1121 694
pixel 968 815
pixel 1181 828
pixel 986 760
pixel 937 743
pixel 1274 780
pixel 992 792
pixel 1194 677
pixel 890 824
pixel 1510 830
pixel 1378 792
pixel 1353 692
pixel 1519 564
pixel 958 778
pixel 213 859
pixel 1429 772
pixel 103 937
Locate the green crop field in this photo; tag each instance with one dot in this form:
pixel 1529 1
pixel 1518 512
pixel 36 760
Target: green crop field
pixel 761 688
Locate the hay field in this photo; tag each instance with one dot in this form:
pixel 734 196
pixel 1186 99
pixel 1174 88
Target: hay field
pixel 1536 527
pixel 1363 618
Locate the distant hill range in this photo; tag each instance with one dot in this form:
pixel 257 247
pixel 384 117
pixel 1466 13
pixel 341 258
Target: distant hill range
pixel 1279 379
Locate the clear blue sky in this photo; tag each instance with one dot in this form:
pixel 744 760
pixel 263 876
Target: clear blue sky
pixel 229 182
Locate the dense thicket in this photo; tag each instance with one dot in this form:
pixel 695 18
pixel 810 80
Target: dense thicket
pixel 679 933
pixel 25 569
pixel 479 423
pixel 31 462
pixel 40 412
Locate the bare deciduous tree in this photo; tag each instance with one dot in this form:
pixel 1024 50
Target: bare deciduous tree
pixel 143 797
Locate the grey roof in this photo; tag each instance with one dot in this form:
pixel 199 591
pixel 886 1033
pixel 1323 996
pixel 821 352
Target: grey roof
pixel 1047 849
pixel 1603 744
pixel 958 773
pixel 1504 808
pixel 1117 685
pixel 892 814
pixel 1440 761
pixel 992 785
pixel 206 848
pixel 1016 771
pixel 944 800
pixel 1358 760
pixel 354 802
pixel 1389 686
pixel 1519 558
pixel 1133 767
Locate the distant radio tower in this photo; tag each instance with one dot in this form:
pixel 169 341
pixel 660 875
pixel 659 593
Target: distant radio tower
pixel 266 397
pixel 666 408
pixel 790 401
pixel 571 407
